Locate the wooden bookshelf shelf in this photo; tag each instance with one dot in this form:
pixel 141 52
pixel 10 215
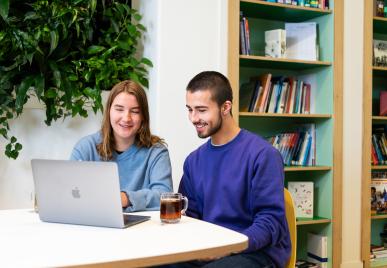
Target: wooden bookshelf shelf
pixel 315 220
pixel 379 118
pixel 380 25
pixel 279 63
pixel 277 11
pixel 271 115
pixel 374 79
pixel 376 167
pixel 324 76
pixel 379 217
pixel 307 168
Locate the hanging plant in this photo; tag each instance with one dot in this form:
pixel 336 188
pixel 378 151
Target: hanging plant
pixel 64 53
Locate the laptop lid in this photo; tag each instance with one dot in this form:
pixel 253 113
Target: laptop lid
pixel 80 192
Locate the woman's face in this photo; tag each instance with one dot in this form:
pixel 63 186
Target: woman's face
pixel 125 119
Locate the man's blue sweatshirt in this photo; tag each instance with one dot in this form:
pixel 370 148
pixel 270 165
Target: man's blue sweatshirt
pixel 239 185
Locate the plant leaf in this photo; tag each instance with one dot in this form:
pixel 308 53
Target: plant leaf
pixel 4 8
pixel 21 95
pixel 94 49
pixel 54 38
pixel 146 62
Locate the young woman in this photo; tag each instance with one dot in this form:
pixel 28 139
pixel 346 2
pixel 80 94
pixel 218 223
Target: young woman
pixel 143 160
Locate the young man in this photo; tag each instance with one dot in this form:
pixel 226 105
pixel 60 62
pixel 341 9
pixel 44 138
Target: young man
pixel 235 179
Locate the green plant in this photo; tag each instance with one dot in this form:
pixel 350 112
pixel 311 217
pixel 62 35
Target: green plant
pixel 64 53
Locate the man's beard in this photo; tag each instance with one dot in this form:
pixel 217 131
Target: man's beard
pixel 212 130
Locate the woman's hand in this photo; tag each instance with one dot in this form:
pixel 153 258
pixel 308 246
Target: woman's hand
pixel 125 202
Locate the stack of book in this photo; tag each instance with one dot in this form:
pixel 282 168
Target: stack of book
pixel 379 145
pixel 323 4
pixel 283 95
pixel 317 247
pixel 244 37
pixel 378 252
pixel 297 148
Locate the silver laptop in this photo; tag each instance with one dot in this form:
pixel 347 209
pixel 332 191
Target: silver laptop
pixel 80 192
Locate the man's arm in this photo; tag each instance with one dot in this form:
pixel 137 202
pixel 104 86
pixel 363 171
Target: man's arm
pixel 267 201
pixel 186 189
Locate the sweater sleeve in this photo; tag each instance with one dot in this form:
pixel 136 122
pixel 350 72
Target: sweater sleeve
pixel 160 173
pixel 186 189
pixel 267 203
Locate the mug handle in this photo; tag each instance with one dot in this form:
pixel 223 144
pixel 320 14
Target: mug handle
pixel 185 205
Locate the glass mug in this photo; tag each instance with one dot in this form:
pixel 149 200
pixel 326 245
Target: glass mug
pixel 171 207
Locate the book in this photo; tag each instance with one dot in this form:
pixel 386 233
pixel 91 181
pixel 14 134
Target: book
pixel 378 196
pixel 380 53
pixel 302 193
pixel 383 103
pixel 245 95
pixel 275 43
pixel 301 40
pixel 317 249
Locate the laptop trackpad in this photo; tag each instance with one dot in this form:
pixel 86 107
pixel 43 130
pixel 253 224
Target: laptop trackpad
pixel 130 220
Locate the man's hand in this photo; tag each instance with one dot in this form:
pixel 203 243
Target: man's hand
pixel 125 202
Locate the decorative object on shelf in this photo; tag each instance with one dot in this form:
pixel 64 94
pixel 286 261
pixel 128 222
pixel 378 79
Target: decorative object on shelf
pixel 380 53
pixel 302 193
pixel 64 53
pixel 275 43
pixel 301 41
pixel 379 193
pixel 379 8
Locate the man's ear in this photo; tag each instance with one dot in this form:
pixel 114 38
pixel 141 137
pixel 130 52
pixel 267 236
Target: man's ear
pixel 226 108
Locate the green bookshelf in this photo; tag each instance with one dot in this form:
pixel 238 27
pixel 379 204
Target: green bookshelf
pixel 325 77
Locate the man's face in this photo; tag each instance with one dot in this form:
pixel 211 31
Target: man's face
pixel 203 112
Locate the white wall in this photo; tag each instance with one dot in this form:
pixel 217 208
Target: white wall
pixel 183 38
pixel 39 141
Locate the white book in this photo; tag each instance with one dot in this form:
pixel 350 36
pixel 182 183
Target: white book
pixel 317 249
pixel 302 193
pixel 273 98
pixel 301 40
pixel 292 97
pixel 282 100
pixel 275 43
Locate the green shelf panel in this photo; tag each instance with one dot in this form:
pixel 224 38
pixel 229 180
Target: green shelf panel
pixel 380 73
pixel 272 11
pixel 380 25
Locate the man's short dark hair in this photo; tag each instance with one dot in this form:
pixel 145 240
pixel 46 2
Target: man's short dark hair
pixel 215 82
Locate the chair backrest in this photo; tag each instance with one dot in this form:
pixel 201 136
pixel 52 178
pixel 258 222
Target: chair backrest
pixel 291 219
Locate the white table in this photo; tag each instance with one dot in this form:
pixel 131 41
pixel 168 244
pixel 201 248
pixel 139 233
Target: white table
pixel 25 241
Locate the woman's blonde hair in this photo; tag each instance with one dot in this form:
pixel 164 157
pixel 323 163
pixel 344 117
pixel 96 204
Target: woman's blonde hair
pixel 143 138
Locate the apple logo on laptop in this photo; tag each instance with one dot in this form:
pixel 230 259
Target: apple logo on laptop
pixel 76 193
